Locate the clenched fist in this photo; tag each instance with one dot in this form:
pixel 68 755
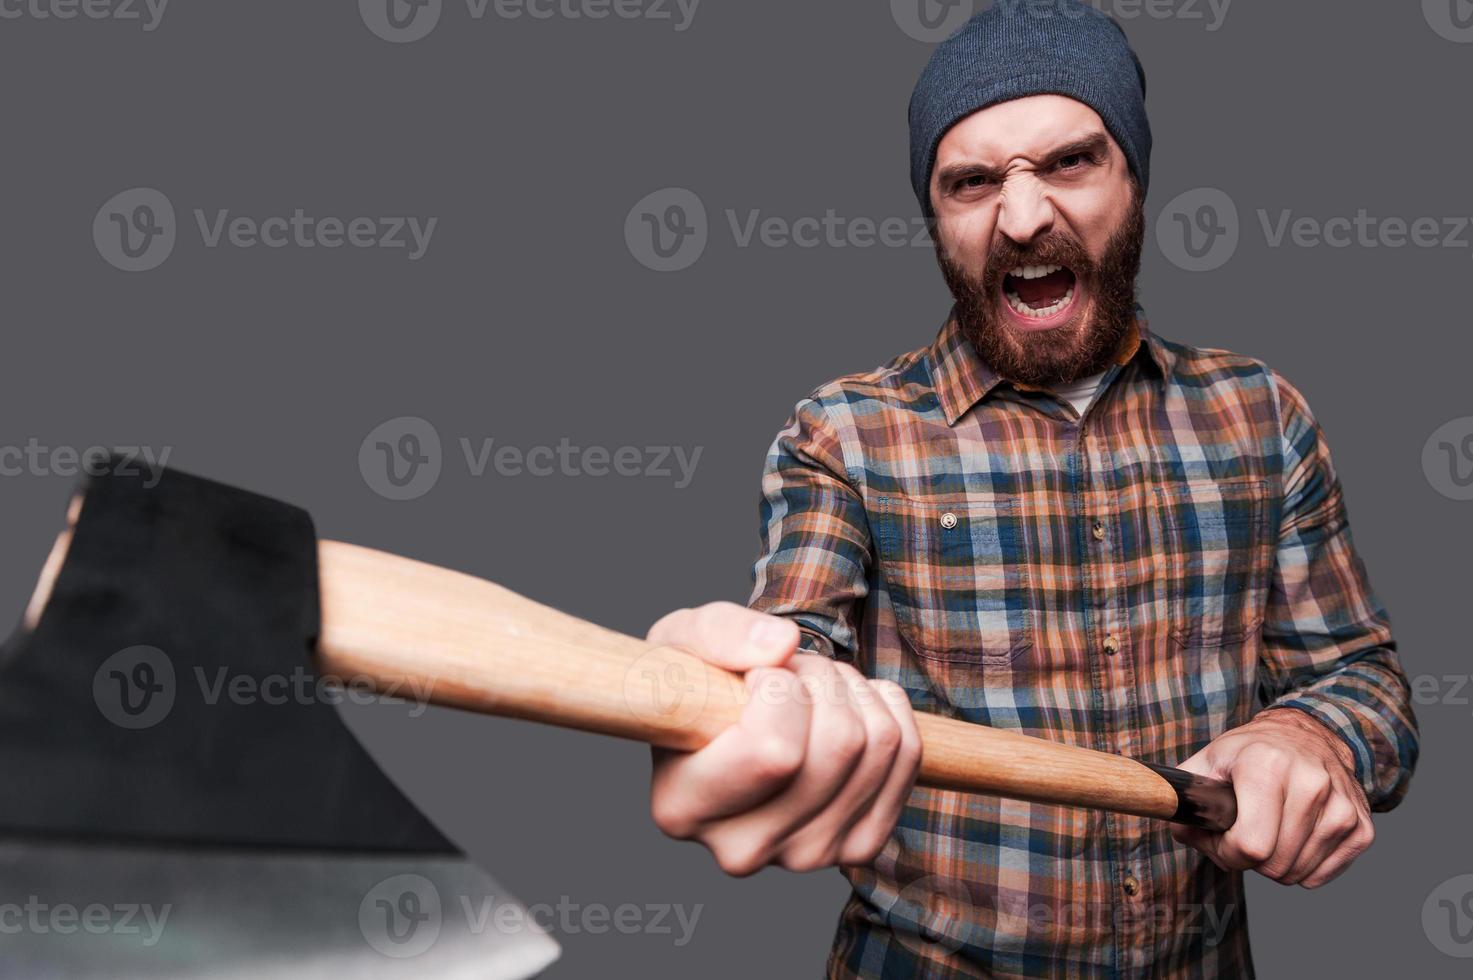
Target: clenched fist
pixel 1302 816
pixel 816 770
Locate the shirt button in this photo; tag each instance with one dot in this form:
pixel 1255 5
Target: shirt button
pixel 948 520
pixel 1112 646
pixel 1132 885
pixel 1099 531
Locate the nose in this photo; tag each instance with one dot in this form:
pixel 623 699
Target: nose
pixel 1025 212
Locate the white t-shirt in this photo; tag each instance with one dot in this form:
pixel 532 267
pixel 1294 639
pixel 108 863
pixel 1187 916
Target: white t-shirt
pixel 1079 392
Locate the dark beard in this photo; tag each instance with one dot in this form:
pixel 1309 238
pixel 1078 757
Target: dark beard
pixel 1075 349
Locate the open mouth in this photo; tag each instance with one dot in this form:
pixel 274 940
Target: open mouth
pixel 1039 292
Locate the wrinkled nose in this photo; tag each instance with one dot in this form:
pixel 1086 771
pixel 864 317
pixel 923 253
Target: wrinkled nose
pixel 1026 213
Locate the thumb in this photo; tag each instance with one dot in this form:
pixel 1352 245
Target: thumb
pixel 1206 841
pixel 729 635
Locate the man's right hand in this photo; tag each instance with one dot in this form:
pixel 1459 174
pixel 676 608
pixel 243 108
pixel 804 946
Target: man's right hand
pixel 816 770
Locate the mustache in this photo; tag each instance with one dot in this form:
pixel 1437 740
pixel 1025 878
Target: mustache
pixel 1056 249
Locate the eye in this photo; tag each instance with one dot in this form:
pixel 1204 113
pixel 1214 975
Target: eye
pixel 1073 161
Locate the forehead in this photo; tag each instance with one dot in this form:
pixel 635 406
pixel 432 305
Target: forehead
pixel 1026 127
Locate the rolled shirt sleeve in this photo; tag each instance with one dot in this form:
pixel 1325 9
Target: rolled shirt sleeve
pixel 815 549
pixel 1328 649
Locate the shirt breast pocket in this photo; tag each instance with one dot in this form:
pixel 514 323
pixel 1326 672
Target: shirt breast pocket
pixel 957 577
pixel 1211 559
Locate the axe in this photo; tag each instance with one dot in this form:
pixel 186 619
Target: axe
pixel 403 625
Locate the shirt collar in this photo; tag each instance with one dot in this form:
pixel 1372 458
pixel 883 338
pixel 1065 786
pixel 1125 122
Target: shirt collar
pixel 962 378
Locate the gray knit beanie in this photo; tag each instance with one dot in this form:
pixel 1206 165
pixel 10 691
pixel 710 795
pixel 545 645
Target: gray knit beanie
pixel 1016 48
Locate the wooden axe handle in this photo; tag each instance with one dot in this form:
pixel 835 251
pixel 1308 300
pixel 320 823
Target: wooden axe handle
pixel 406 626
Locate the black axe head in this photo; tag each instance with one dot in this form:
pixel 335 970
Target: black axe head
pixel 258 830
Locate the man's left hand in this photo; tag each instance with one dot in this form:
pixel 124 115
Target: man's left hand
pixel 1302 815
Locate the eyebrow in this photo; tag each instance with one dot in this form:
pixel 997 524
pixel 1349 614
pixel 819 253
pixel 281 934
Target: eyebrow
pixel 1093 143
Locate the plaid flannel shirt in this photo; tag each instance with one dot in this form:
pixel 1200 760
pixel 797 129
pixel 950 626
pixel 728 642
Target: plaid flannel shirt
pixel 1138 580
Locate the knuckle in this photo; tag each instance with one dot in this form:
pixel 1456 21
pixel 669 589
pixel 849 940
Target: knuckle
pixel 886 738
pixel 774 758
pixel 1341 817
pixel 1234 861
pixel 1254 847
pixel 671 817
pixel 707 619
pixel 1274 871
pixel 861 850
pixel 669 626
pixel 1361 839
pixel 842 734
pixel 1318 782
pixel 1254 856
pixel 1272 758
pixel 737 860
pixel 1265 753
pixel 808 857
pixel 890 691
pixel 911 750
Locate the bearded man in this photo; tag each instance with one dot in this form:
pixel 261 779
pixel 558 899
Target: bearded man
pixel 1050 520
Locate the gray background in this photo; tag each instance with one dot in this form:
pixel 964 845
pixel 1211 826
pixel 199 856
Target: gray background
pixel 529 320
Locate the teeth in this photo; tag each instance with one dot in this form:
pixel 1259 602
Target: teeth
pixel 1034 271
pixel 1024 309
